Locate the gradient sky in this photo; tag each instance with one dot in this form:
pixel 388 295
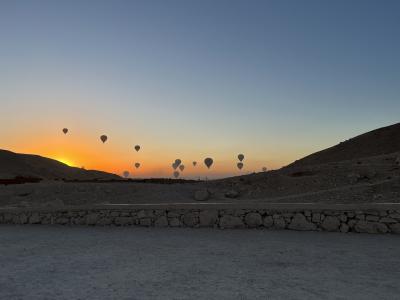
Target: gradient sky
pixel 275 80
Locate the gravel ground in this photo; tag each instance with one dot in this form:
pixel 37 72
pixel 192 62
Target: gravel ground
pixel 51 262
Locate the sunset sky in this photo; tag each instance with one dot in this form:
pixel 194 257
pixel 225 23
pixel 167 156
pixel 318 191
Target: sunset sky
pixel 275 80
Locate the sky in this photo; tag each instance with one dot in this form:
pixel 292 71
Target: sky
pixel 274 80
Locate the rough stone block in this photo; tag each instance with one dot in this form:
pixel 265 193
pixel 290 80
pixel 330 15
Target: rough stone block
pixel 253 219
pixel 173 214
pixel 372 213
pixel 351 223
pixel 316 217
pixel 145 222
pixel 299 222
pixel 268 221
pixel 230 222
pixel 91 219
pixel 287 215
pixel 62 220
pixel 190 219
pixel 387 220
pixel 331 223
pixel 239 212
pixel 159 212
pixel 343 218
pixel 279 223
pixel 162 221
pixel 122 221
pixel 395 216
pixel 360 217
pixel 208 218
pixel 145 214
pixel 174 222
pixel 103 221
pixel 370 218
pixel 383 213
pixel 395 228
pixel 34 218
pixel 370 227
pixel 46 220
pixel 23 218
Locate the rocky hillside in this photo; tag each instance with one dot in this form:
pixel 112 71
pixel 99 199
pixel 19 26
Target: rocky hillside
pixel 25 165
pixel 380 141
pixel 363 169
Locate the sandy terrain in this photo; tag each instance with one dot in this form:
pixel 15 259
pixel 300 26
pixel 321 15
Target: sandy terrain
pixel 41 262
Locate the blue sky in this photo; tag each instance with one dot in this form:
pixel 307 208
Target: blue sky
pixel 274 79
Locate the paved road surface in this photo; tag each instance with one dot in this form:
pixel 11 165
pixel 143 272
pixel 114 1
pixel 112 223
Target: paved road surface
pixel 51 262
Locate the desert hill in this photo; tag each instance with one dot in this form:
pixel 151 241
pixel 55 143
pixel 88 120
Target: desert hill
pixel 34 166
pixel 380 141
pixel 363 169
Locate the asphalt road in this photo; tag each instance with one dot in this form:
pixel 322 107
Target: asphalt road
pixel 54 262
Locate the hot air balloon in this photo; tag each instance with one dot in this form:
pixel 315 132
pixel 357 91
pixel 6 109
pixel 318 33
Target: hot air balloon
pixel 137 165
pixel 194 163
pixel 241 157
pixel 177 162
pixel 240 165
pixel 174 166
pixel 176 174
pixel 182 167
pixel 264 169
pixel 103 138
pixel 208 162
pixel 137 148
pixel 126 174
pixel 65 130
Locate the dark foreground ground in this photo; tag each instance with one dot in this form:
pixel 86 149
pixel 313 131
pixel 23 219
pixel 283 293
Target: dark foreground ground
pixel 368 180
pixel 43 262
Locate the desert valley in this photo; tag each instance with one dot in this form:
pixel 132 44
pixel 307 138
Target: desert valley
pixel 364 169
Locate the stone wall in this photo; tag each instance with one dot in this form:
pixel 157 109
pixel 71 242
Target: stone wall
pixel 339 220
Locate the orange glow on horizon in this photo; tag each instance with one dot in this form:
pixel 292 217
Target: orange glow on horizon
pixel 85 149
pixel 66 161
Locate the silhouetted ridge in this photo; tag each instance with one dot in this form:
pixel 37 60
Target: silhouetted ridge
pixel 380 141
pixel 14 165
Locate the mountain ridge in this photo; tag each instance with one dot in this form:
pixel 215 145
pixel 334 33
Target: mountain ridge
pixel 380 141
pixel 35 166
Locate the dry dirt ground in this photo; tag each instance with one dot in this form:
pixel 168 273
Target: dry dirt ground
pixel 374 179
pixel 50 262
